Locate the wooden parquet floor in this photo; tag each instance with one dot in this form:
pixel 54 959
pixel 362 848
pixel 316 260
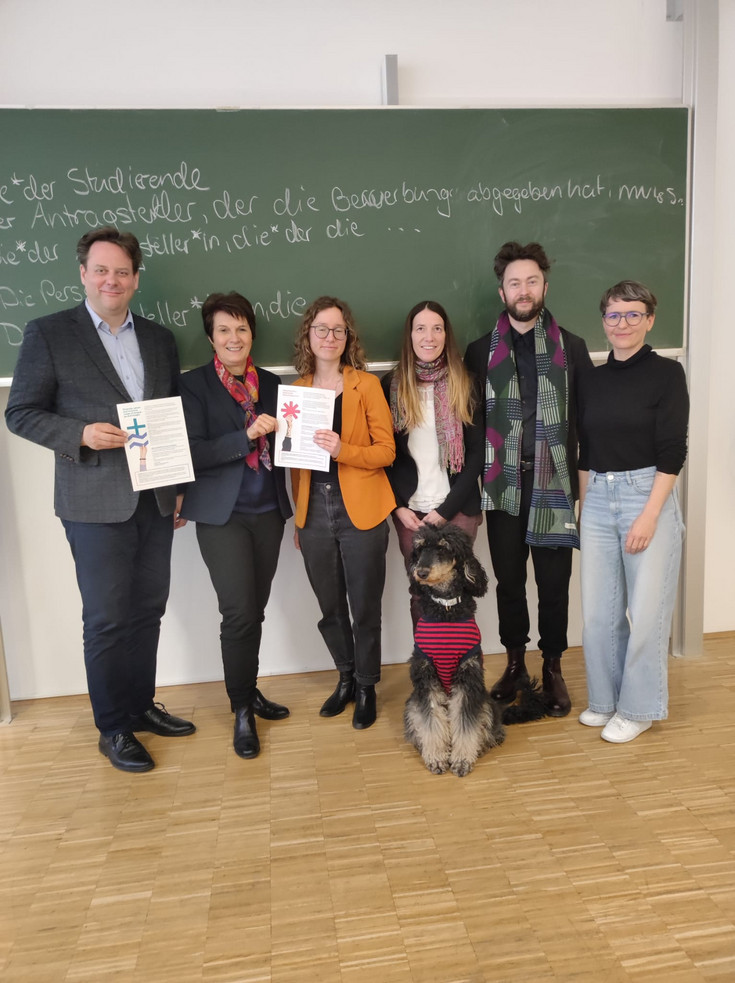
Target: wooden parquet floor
pixel 335 856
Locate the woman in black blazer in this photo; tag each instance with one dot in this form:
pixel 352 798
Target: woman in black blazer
pixel 438 423
pixel 239 500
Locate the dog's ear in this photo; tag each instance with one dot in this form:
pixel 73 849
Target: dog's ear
pixel 475 576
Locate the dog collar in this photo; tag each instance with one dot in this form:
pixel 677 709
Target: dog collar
pixel 446 602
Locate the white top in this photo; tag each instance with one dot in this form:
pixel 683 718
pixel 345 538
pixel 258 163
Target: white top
pixel 423 446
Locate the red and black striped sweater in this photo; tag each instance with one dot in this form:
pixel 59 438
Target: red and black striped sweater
pixel 446 644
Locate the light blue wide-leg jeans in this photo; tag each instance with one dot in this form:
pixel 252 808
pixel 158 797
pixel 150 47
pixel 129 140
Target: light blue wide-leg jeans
pixel 627 599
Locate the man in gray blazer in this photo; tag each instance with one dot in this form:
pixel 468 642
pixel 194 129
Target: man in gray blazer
pixel 73 368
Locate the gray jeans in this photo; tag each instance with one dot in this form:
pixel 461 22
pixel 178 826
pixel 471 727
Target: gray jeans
pixel 346 569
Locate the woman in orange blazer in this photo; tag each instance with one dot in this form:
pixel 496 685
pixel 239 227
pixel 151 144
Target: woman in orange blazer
pixel 341 526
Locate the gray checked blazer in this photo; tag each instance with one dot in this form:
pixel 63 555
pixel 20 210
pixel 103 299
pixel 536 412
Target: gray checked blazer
pixel 64 380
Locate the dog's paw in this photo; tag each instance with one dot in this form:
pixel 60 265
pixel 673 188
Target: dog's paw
pixel 462 768
pixel 437 767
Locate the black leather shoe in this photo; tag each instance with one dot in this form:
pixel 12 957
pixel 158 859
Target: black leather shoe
pixel 267 709
pixel 343 694
pixel 556 696
pixel 365 707
pixel 245 742
pixel 126 752
pixel 514 677
pixel 159 721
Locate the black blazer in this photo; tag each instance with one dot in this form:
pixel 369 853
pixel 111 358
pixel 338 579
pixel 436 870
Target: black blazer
pixel 578 361
pixel 464 491
pixel 64 380
pixel 219 444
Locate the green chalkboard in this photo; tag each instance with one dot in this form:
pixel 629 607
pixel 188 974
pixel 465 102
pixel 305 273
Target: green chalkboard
pixel 381 207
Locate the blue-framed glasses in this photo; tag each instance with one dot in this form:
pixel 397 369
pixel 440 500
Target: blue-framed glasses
pixel 631 318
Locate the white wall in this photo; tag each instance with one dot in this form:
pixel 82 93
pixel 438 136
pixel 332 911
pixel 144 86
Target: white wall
pixel 719 581
pixel 179 53
pixel 228 52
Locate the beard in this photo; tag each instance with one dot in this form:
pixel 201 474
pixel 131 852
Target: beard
pixel 525 315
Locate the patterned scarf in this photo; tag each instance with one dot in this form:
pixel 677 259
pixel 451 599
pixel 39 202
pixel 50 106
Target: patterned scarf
pixel 246 394
pixel 551 521
pixel 448 428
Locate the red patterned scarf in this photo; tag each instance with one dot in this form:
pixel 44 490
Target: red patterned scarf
pixel 246 394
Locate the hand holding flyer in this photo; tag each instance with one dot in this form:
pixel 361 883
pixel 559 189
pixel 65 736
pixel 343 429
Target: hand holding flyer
pixel 301 412
pixel 158 445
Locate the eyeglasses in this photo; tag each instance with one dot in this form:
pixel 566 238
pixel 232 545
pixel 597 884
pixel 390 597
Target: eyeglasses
pixel 631 318
pixel 322 331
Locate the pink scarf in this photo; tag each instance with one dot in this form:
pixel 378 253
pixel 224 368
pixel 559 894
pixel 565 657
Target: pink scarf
pixel 246 394
pixel 448 428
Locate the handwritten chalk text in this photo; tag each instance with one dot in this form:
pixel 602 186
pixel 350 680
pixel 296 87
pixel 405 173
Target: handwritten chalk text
pixel 84 182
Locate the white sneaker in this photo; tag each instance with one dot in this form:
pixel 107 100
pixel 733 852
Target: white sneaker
pixel 591 718
pixel 620 730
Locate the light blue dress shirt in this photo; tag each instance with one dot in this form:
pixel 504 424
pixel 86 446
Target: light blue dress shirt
pixel 124 352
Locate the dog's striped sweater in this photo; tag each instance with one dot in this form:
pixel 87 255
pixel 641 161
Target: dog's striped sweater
pixel 446 644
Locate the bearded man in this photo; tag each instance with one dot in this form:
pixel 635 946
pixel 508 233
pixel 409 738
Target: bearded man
pixel 528 368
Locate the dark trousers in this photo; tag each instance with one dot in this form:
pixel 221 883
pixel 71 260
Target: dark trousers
pixel 346 569
pixel 123 571
pixel 467 523
pixel 241 557
pixel 552 569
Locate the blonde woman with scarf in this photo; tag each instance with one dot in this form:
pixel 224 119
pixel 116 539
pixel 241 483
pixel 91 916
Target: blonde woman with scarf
pixel 238 501
pixel 437 421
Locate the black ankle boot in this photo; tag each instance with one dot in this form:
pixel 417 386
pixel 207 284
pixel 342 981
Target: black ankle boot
pixel 505 689
pixel 556 695
pixel 267 709
pixel 365 707
pixel 246 741
pixel 343 694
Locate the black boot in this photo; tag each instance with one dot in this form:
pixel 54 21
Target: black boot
pixel 343 694
pixel 246 741
pixel 556 696
pixel 515 675
pixel 365 707
pixel 267 709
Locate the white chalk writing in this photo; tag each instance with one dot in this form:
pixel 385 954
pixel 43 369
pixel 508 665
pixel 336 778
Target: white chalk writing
pixel 184 212
pixel 84 182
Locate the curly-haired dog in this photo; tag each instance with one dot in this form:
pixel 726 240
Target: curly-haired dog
pixel 450 718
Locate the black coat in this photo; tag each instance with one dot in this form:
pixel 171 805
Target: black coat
pixel 219 444
pixel 464 490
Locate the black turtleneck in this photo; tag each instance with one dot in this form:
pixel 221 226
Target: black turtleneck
pixel 633 414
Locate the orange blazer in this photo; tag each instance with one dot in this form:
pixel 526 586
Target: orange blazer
pixel 367 449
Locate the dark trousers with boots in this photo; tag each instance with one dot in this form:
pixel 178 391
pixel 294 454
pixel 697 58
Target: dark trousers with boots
pixel 241 557
pixel 552 570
